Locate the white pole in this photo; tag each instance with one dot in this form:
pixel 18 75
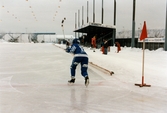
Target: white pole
pixel 143 62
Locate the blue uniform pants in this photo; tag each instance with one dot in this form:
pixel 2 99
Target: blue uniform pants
pixel 84 65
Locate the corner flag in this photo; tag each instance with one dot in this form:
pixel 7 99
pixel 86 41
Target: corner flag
pixel 144 32
pixel 142 37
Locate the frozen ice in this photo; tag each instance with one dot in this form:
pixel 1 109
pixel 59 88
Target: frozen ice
pixel 33 79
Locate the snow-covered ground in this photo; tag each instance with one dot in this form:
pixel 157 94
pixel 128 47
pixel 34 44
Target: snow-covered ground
pixel 33 79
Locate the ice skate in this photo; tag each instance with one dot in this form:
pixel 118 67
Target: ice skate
pixel 72 80
pixel 86 81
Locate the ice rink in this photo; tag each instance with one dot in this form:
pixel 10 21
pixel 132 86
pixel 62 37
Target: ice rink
pixel 33 79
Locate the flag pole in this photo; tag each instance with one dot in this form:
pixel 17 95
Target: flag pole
pixel 143 84
pixel 143 62
pixel 142 37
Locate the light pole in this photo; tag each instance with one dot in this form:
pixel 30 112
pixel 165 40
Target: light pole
pixel 75 23
pixel 63 26
pixel 78 21
pixel 114 33
pixel 133 25
pixel 138 32
pixel 87 11
pixel 93 11
pixel 102 13
pixel 165 46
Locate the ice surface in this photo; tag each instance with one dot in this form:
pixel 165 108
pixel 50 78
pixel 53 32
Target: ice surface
pixel 33 79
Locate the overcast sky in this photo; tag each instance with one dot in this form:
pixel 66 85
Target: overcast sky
pixel 46 15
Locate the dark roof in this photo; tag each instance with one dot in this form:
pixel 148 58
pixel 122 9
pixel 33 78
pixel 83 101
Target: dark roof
pixel 95 28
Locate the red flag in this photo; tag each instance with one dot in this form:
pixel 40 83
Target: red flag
pixel 144 32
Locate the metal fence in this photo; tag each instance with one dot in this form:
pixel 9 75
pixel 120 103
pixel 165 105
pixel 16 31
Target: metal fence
pixel 148 45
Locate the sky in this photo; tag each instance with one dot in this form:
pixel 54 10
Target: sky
pixel 33 79
pixel 46 15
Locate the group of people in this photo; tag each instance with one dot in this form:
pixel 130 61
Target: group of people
pixel 104 45
pixel 81 57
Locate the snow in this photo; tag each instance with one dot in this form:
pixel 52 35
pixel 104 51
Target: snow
pixel 33 78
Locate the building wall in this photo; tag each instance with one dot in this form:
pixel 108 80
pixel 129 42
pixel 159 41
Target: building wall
pixel 148 45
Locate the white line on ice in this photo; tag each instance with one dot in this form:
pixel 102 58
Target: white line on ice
pixel 5 85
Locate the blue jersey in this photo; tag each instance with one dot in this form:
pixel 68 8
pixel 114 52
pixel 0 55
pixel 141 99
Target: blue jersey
pixel 78 51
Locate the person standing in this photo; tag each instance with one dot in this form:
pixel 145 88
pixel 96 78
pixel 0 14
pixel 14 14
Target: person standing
pixel 93 42
pixel 80 56
pixel 105 47
pixel 102 46
pixel 118 46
